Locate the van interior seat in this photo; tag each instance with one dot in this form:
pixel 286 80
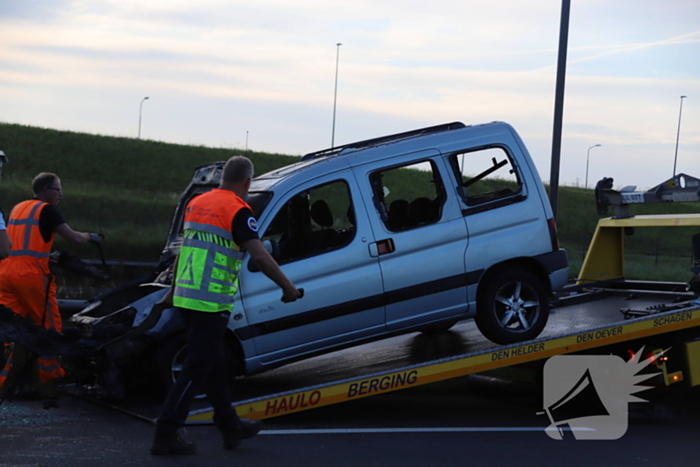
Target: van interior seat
pixel 327 238
pixel 398 214
pixel 321 214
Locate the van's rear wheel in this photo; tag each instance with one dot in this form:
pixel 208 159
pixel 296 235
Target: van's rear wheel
pixel 513 307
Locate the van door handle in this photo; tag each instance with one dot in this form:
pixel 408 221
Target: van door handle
pixel 382 247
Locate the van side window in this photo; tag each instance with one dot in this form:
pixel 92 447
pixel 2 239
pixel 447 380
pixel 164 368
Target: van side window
pixel 485 175
pixel 409 196
pixel 314 221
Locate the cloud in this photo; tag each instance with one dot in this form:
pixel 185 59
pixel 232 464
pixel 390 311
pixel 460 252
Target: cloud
pixel 32 9
pixel 691 38
pixel 219 68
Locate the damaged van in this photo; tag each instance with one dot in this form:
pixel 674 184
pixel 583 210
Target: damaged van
pixel 405 233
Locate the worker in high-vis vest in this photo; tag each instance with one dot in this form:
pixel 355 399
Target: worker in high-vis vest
pixel 27 286
pixel 5 243
pixel 5 348
pixel 217 226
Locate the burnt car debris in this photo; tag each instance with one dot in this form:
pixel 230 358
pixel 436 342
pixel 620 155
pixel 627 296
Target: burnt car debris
pixel 123 334
pixel 139 339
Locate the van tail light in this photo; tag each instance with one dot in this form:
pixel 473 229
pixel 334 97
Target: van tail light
pixel 552 224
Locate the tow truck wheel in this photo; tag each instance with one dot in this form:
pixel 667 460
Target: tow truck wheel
pixel 512 308
pixel 171 356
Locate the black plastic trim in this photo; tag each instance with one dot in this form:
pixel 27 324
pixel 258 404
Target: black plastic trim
pixel 357 306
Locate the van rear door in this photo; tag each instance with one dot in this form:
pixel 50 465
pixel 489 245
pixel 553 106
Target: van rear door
pixel 420 237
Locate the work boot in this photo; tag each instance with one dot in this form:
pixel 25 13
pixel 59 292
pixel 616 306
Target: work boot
pixel 246 429
pixel 171 443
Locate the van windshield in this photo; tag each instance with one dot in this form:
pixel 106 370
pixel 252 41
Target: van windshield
pixel 258 200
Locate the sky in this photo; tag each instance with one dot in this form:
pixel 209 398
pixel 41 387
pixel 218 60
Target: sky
pixel 261 74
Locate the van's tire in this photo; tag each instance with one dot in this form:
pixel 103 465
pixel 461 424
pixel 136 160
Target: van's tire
pixel 171 355
pixel 513 307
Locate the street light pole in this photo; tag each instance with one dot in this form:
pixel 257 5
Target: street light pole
pixel 335 94
pixel 559 106
pixel 587 158
pixel 678 134
pixel 140 112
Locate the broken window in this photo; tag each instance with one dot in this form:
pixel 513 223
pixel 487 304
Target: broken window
pixel 485 175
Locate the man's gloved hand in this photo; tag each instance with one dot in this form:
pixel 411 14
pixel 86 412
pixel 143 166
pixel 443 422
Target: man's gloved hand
pixel 96 238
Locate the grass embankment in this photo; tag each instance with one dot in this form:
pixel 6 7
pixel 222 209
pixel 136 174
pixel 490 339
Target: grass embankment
pixel 127 189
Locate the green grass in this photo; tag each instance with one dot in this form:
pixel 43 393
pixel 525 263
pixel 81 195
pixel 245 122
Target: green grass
pixel 663 268
pixel 643 267
pixel 577 219
pixel 104 163
pixel 124 188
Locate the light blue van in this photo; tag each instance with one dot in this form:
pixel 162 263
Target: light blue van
pixel 409 232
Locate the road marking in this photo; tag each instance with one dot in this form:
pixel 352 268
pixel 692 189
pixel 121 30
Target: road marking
pixel 327 431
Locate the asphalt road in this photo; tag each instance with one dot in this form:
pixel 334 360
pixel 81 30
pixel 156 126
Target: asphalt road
pixel 462 422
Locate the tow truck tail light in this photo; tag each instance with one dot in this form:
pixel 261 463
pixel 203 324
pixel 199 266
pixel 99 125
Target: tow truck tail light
pixel 655 359
pixel 660 360
pixel 675 377
pixel 552 224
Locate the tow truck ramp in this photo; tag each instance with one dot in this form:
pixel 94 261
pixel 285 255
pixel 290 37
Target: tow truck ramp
pixel 575 324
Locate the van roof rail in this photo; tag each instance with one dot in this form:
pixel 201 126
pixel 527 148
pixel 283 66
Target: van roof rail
pixel 384 140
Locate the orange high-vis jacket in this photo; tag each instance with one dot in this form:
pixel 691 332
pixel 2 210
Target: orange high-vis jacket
pixel 26 283
pixel 27 243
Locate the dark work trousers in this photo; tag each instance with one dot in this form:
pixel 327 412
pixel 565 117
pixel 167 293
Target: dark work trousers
pixel 203 369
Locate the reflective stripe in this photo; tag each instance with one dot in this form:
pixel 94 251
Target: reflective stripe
pixel 231 257
pixel 23 222
pixel 49 369
pixel 33 254
pixel 212 246
pixel 24 231
pixel 8 351
pixel 211 298
pixel 207 307
pixel 6 369
pixel 209 229
pixel 28 231
pixel 50 365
